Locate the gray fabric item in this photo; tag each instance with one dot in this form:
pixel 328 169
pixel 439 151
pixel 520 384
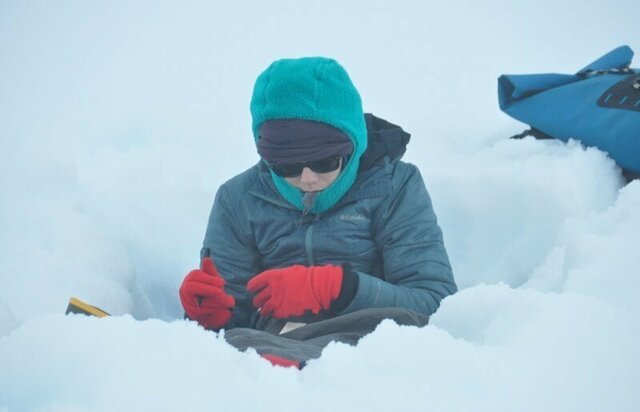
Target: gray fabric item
pixel 307 342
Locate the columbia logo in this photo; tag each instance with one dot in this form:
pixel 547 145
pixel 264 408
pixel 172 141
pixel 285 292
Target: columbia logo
pixel 352 217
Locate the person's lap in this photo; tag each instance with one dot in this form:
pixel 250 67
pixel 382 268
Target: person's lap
pixel 308 341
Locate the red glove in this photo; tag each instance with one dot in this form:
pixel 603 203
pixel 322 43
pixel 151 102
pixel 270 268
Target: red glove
pixel 293 290
pixel 203 296
pixel 280 361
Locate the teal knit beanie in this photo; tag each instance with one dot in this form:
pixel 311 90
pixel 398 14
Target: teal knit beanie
pixel 312 88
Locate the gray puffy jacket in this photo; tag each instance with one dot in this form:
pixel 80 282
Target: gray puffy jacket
pixel 384 227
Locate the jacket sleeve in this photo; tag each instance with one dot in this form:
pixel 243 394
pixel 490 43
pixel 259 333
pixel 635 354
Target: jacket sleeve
pixel 231 246
pixel 417 274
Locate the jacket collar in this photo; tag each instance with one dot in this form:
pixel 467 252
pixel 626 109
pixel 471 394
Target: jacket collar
pixel 372 183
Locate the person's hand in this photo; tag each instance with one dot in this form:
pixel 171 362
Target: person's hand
pixel 203 297
pixel 293 290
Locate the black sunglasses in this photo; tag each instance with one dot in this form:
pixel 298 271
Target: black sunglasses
pixel 326 165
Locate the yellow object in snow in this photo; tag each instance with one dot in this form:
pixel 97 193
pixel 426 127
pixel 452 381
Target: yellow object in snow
pixel 80 307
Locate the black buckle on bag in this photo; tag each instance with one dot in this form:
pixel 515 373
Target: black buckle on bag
pixel 623 95
pixel 539 135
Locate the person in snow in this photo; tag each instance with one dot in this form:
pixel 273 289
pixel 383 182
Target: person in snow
pixel 329 225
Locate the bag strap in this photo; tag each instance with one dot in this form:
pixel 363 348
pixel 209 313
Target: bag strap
pixel 532 132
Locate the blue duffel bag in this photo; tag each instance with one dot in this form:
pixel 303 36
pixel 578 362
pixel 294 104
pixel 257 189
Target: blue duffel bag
pixel 599 106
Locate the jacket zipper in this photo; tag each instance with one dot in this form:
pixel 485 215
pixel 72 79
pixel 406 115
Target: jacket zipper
pixel 308 244
pixel 308 241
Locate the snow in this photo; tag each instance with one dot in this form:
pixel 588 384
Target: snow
pixel 119 120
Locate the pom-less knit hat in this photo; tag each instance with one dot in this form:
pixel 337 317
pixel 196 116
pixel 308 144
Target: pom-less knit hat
pixel 316 89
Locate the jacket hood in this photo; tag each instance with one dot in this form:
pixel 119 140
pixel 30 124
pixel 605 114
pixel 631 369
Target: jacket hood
pixel 317 89
pixel 384 139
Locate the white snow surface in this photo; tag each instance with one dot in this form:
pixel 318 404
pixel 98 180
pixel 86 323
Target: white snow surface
pixel 120 119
